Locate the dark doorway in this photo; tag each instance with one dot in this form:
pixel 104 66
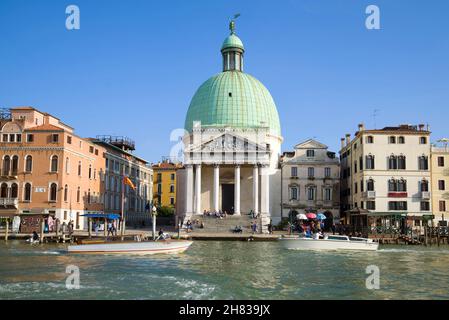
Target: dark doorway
pixel 227 198
pixel 329 221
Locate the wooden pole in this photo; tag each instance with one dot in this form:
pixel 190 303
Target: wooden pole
pixel 89 225
pixel 42 230
pixel 7 229
pixel 57 229
pixel 105 227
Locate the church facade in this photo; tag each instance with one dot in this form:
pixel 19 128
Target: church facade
pixel 232 144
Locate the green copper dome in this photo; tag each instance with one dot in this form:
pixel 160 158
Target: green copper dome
pixel 232 41
pixel 234 99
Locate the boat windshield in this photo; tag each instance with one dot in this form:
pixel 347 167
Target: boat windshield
pixel 358 239
pixel 339 238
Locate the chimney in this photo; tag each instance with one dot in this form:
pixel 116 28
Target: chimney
pixel 342 143
pixel 348 138
pixel 361 127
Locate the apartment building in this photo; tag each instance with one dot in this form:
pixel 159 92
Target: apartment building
pixel 385 174
pixel 440 180
pixel 164 184
pixel 46 168
pixel 311 181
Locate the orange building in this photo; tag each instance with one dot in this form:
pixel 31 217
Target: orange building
pixel 47 169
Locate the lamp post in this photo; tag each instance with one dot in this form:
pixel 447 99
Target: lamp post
pixel 154 214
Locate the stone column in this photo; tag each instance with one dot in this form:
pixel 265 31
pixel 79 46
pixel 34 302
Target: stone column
pixel 216 187
pixel 264 199
pixel 189 190
pixel 237 190
pixel 256 188
pixel 198 189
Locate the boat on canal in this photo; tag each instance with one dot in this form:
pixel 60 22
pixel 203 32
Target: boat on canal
pixel 137 248
pixel 330 242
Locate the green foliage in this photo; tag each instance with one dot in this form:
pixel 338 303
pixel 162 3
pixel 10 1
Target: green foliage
pixel 165 211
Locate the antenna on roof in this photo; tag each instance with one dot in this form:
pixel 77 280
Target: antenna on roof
pixel 374 115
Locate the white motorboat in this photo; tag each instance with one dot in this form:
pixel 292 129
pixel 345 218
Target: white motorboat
pixel 330 242
pixel 140 248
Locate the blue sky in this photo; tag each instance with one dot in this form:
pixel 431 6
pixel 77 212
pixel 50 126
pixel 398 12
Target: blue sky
pixel 134 65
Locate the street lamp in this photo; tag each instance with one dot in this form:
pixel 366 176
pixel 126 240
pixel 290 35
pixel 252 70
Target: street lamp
pixel 154 214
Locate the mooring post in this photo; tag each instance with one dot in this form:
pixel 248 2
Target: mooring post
pixel 105 227
pixel 89 225
pixel 7 229
pixel 42 230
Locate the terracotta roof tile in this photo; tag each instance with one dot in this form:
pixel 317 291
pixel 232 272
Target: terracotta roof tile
pixel 45 127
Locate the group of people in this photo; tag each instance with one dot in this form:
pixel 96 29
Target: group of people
pixel 217 214
pixel 197 222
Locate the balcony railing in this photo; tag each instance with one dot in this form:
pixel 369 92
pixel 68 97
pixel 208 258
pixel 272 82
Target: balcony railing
pixel 9 202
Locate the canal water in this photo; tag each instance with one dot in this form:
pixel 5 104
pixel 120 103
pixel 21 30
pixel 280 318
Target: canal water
pixel 225 270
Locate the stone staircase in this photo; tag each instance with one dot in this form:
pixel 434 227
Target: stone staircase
pixel 225 225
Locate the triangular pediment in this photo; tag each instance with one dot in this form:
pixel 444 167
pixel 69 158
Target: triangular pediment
pixel 311 144
pixel 229 142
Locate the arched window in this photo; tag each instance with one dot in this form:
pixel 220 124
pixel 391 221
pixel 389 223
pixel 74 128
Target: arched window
pixel 90 171
pixel 392 139
pixel 369 163
pixel 79 168
pixel 402 185
pixel 392 162
pixel 28 163
pixel 15 165
pixel 423 163
pixel 53 191
pixel 78 195
pixel 401 140
pixel 88 196
pixel 4 190
pixel 54 164
pixel 27 192
pixel 392 186
pixel 424 186
pixel 66 193
pixel 67 165
pixel 6 165
pixel 370 185
pixel 14 191
pixel 401 162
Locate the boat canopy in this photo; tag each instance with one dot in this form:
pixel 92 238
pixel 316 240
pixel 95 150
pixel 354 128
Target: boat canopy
pixel 110 216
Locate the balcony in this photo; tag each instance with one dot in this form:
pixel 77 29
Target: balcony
pixel 397 194
pixel 8 202
pixel 425 195
pixel 369 194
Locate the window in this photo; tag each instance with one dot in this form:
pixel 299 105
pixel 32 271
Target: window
pixel 392 162
pixel 371 205
pixel 69 139
pixel 402 185
pixel 5 138
pixel 18 137
pixel 355 166
pixel 53 192
pixel 172 188
pixel 327 172
pixel 79 168
pixel 423 163
pixel 14 191
pixel 397 205
pixel 425 205
pixel 15 165
pixel 172 177
pixel 392 140
pixel 355 188
pixel 311 172
pixel 422 140
pixel 401 140
pixel 294 171
pixel 294 193
pixel 361 163
pixel 424 186
pixel 401 163
pixel 6 165
pixel 327 194
pixel 370 139
pixel 310 153
pixel 96 152
pixel 90 171
pixel 54 164
pixel 370 162
pixel 4 190
pixel 27 192
pixel 397 185
pixel 91 149
pixel 78 195
pixel 362 186
pixel 28 163
pixel 442 205
pixel 311 193
pixel 12 137
pixel 55 138
pixel 30 138
pixel 441 185
pixel 67 165
pixel 172 201
pixel 441 161
pixel 370 185
pixel 159 188
pixel 66 192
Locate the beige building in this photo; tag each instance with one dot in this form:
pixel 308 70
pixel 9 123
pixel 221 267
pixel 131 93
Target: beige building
pixel 311 181
pixel 440 181
pixel 385 174
pixel 47 169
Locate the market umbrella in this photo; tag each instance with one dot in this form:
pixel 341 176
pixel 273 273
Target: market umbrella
pixel 311 216
pixel 301 216
pixel 321 216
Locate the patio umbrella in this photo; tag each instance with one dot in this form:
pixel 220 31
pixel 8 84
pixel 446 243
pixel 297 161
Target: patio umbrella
pixel 321 216
pixel 311 216
pixel 301 216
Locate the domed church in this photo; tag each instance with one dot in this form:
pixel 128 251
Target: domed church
pixel 232 144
